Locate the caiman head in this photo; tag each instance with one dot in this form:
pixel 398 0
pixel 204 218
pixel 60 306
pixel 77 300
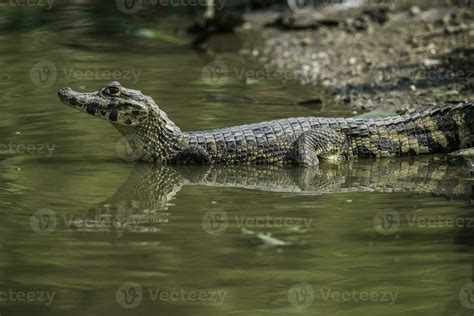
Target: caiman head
pixel 132 113
pixel 113 103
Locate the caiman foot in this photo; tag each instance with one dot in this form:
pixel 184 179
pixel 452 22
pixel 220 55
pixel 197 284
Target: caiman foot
pixel 192 155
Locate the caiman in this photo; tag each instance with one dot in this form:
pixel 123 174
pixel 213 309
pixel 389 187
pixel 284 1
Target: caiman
pixel 302 140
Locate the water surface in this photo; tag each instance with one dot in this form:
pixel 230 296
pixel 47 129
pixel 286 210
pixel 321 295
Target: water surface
pixel 84 232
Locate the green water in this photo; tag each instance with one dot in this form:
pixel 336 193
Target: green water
pixel 83 232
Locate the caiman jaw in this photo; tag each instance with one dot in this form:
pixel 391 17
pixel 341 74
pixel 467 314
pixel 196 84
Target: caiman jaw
pixel 113 103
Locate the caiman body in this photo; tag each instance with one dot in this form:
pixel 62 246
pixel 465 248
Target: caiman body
pixel 305 140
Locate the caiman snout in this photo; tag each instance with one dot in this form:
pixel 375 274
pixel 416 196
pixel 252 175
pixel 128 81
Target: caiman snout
pixel 64 91
pixel 113 103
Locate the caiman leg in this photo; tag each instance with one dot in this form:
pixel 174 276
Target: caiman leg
pixel 193 155
pixel 318 142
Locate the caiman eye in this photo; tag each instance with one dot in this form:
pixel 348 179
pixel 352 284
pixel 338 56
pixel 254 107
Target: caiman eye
pixel 114 91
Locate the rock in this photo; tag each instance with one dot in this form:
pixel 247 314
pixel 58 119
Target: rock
pixel 415 10
pixel 463 157
pixel 431 62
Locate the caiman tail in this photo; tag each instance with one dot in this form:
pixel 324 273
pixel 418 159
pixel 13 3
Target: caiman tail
pixel 438 130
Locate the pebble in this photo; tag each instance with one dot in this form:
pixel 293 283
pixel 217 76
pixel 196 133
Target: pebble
pixel 415 10
pixel 431 62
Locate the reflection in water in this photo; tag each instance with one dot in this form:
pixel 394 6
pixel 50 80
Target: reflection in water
pixel 140 204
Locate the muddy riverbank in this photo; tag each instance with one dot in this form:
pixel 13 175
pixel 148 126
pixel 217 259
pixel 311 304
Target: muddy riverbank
pixel 400 55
